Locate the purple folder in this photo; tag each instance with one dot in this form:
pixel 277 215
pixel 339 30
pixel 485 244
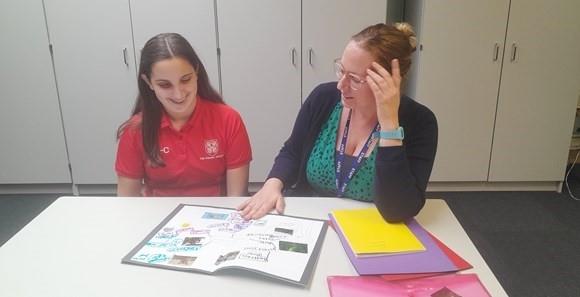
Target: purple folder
pixel 433 259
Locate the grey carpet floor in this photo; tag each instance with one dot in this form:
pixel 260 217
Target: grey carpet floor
pixel 530 240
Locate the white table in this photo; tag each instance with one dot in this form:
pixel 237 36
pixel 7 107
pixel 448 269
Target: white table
pixel 74 248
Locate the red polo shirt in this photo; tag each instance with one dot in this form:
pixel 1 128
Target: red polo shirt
pixel 196 157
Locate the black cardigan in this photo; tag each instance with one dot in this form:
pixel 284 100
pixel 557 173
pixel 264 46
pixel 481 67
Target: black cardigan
pixel 401 172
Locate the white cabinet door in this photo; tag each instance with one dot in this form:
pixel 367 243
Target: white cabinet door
pixel 194 20
pixel 539 89
pixel 324 35
pixel 260 70
pixel 96 79
pixel 32 146
pixel 456 74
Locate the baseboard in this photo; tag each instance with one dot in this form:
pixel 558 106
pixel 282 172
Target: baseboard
pixel 253 187
pixel 107 189
pixel 65 189
pixel 554 186
pixel 473 186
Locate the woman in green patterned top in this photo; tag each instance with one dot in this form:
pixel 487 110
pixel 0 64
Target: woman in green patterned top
pixel 359 138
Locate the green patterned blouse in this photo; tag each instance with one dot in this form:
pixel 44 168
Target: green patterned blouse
pixel 320 169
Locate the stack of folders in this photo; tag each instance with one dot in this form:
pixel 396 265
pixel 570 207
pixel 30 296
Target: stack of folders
pixel 390 253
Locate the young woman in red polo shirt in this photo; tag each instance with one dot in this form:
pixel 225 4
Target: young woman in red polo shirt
pixel 182 139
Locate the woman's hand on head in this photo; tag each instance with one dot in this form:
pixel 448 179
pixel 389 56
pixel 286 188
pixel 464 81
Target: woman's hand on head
pixel 386 88
pixel 269 197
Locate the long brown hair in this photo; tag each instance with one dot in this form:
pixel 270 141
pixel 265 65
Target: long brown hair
pixel 161 47
pixel 387 42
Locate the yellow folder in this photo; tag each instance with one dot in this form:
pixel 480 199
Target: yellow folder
pixel 368 233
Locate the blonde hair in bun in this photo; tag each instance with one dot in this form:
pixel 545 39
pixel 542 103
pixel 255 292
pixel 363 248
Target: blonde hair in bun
pixel 407 29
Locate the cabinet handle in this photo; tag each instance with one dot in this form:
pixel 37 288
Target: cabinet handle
pixel 293 56
pixel 495 51
pixel 310 54
pixel 125 59
pixel 514 52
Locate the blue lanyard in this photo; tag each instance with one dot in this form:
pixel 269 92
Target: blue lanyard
pixel 342 182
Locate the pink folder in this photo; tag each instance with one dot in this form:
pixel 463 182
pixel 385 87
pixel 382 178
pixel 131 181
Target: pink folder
pixel 449 285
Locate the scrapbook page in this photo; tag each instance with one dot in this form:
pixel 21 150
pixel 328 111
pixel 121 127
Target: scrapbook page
pixel 207 239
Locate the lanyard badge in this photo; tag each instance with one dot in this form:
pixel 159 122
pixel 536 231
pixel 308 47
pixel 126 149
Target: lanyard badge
pixel 341 182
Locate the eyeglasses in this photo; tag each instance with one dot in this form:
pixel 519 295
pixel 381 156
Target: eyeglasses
pixel 355 81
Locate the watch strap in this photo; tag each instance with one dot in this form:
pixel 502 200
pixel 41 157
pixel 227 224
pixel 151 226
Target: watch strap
pixel 398 134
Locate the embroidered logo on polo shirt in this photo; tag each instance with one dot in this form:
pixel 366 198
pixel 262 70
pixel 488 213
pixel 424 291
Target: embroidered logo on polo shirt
pixel 165 150
pixel 211 147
